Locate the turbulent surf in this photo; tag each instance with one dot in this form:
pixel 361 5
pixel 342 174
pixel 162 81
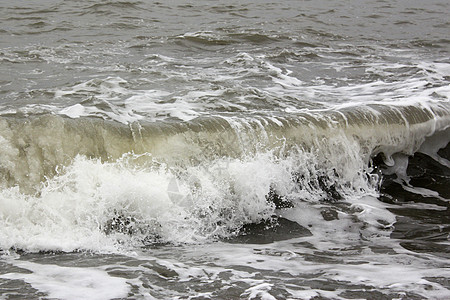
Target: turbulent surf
pixel 242 151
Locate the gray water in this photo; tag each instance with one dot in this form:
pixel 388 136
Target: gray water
pixel 207 57
pixel 244 150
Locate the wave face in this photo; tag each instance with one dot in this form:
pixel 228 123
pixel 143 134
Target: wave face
pixel 108 184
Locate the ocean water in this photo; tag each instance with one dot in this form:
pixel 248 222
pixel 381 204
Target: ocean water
pixel 224 150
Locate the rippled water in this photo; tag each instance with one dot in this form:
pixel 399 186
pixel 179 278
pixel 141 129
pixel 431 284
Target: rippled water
pixel 245 150
pixel 134 60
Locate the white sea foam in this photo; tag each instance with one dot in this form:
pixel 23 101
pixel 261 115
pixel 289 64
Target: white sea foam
pixel 69 283
pixel 240 83
pixel 100 205
pixel 338 256
pixel 127 105
pixel 259 291
pixel 126 124
pixel 179 195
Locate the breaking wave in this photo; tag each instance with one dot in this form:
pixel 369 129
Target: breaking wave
pixel 88 183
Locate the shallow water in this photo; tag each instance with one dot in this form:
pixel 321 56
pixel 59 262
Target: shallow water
pixel 247 150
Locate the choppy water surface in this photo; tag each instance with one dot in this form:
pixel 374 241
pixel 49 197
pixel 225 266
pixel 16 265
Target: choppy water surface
pixel 239 150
